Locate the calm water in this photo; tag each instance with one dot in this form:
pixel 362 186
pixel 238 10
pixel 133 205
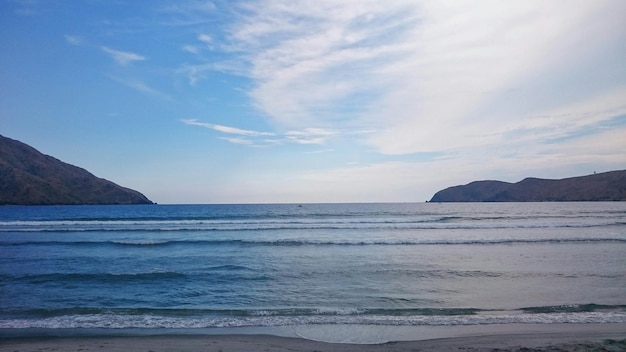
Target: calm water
pixel 202 266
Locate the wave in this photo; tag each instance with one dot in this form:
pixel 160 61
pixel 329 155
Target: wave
pixel 182 318
pixel 313 242
pixel 434 222
pixel 328 311
pixel 211 275
pixel 572 308
pixel 63 278
pixel 466 211
pixel 221 274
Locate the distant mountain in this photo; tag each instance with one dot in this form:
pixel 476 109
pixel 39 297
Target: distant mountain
pixel 607 186
pixel 28 177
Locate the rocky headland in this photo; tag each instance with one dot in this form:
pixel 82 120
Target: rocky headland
pixel 28 177
pixel 606 186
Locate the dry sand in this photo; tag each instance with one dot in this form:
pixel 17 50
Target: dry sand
pixel 606 337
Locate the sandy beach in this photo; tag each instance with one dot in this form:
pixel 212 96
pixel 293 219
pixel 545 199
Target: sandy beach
pixel 573 337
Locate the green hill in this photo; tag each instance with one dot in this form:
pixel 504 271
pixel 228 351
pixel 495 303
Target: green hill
pixel 607 186
pixel 28 177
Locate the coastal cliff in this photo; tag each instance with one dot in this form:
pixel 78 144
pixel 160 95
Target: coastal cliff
pixel 607 186
pixel 28 177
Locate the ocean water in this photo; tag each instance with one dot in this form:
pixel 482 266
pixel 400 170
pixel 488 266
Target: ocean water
pixel 317 265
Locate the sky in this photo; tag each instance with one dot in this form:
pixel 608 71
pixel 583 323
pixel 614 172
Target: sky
pixel 195 101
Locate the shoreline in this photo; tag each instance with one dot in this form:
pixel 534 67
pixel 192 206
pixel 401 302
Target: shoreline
pixel 508 337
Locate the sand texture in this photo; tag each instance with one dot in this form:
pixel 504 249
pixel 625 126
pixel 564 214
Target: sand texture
pixel 234 343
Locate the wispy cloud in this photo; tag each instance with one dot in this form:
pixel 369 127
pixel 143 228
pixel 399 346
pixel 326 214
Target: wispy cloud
pixel 123 57
pixel 307 59
pixel 206 42
pixel 142 87
pixel 205 38
pixel 318 136
pixel 185 13
pixel 73 39
pixel 189 7
pixel 190 49
pixel 465 79
pixel 427 76
pixel 195 73
pixel 26 7
pixel 309 136
pixel 321 151
pixel 567 121
pixel 238 140
pixel 226 129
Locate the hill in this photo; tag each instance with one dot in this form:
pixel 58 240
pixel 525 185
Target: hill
pixel 28 177
pixel 607 186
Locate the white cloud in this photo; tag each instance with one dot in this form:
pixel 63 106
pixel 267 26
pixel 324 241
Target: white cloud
pixel 26 7
pixel 309 136
pixel 189 8
pixel 190 49
pixel 205 38
pixel 472 56
pixel 566 121
pixel 141 87
pixel 238 140
pixel 320 151
pixel 427 76
pixel 226 129
pixel 306 58
pixel 123 57
pixel 195 73
pixel 305 136
pixel 73 39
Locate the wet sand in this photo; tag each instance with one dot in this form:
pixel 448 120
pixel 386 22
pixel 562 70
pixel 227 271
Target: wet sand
pixel 566 337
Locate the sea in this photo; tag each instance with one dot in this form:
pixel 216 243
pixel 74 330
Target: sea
pixel 321 266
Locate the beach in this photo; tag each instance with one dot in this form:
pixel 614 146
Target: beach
pixel 561 337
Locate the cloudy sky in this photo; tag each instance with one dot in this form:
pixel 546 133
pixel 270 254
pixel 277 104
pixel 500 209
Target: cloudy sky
pixel 316 101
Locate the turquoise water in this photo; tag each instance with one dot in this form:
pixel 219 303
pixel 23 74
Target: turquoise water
pixel 205 266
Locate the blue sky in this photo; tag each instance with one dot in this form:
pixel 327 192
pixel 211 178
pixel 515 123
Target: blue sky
pixel 316 101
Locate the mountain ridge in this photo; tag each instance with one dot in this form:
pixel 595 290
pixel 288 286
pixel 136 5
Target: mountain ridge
pixel 606 186
pixel 29 177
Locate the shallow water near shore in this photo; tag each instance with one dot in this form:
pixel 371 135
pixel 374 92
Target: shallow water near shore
pixel 317 266
pixel 494 337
